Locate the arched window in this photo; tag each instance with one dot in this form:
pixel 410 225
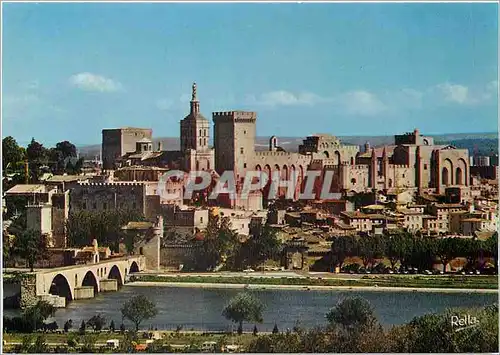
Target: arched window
pixel 458 177
pixel 445 177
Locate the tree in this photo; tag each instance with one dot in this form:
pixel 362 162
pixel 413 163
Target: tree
pixel 112 326
pixel 370 248
pixel 219 244
pixel 353 327
pixel 66 148
pixel 12 153
pixel 83 327
pixel 255 330
pixel 40 345
pixel 34 316
pixel 68 325
pixel 397 246
pixel 275 329
pixel 88 343
pixel 31 246
pixel 122 328
pixel 243 307
pixel 492 248
pixel 342 247
pixel 138 309
pixel 353 315
pixel 105 226
pixel 37 156
pixel 447 249
pixel 97 322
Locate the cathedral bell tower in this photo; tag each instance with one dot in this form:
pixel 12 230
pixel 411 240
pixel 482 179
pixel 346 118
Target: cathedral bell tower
pixel 194 127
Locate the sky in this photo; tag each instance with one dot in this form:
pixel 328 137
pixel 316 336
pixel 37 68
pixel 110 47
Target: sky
pixel 71 70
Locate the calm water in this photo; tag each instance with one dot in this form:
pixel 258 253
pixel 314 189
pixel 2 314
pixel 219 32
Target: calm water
pixel 201 308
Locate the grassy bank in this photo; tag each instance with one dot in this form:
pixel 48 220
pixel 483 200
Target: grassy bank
pixel 411 281
pixel 168 337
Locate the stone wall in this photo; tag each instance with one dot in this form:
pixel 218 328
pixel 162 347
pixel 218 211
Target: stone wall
pixel 28 292
pixel 176 255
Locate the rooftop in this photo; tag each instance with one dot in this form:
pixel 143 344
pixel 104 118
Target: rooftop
pixel 137 225
pixel 66 178
pixel 27 188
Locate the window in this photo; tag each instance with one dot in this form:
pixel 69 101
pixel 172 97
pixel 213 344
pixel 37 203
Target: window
pixel 205 132
pixel 244 165
pixel 425 166
pixel 200 132
pixel 241 150
pixel 244 132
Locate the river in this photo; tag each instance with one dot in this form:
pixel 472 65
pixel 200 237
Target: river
pixel 200 309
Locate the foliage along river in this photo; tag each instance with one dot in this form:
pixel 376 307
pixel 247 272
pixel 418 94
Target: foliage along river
pixel 201 308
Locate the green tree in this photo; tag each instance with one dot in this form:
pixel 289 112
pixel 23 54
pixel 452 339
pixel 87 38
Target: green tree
pixel 220 244
pixel 492 248
pixel 244 307
pixel 352 315
pixel 96 322
pixel 88 343
pixel 397 246
pixel 342 247
pixel 354 327
pixel 137 309
pixel 40 345
pixel 112 326
pixel 37 156
pixel 12 154
pixel 447 249
pixel 83 327
pixel 68 325
pixel 105 226
pixel 35 315
pixel 30 246
pixel 370 248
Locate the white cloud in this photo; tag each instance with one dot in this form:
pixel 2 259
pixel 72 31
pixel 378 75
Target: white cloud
pixel 464 95
pixel 361 102
pixel 353 103
pixel 455 93
pixel 286 98
pixel 93 82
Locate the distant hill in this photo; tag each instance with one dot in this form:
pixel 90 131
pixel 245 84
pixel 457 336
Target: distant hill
pixel 478 143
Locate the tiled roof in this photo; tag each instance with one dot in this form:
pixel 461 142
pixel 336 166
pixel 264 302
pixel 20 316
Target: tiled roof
pixel 26 188
pixel 138 225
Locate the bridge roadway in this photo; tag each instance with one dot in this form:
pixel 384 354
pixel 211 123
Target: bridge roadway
pixel 86 280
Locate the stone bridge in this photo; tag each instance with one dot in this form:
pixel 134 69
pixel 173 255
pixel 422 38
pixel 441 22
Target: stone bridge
pixel 63 284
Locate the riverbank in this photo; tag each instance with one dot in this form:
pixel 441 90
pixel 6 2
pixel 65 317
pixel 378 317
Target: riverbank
pixel 481 284
pixel 306 288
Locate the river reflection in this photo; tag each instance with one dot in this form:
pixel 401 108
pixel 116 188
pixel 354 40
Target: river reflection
pixel 200 308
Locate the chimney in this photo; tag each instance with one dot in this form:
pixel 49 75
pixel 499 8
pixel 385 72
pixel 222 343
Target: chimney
pixel 159 146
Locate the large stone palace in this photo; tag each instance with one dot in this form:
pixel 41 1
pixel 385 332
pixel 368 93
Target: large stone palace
pixel 414 162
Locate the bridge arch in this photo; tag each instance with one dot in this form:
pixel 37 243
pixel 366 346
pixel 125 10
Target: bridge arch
pixel 134 267
pixel 115 273
pixel 91 280
pixel 61 287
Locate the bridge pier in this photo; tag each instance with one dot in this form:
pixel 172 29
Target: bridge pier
pixel 107 285
pixel 84 292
